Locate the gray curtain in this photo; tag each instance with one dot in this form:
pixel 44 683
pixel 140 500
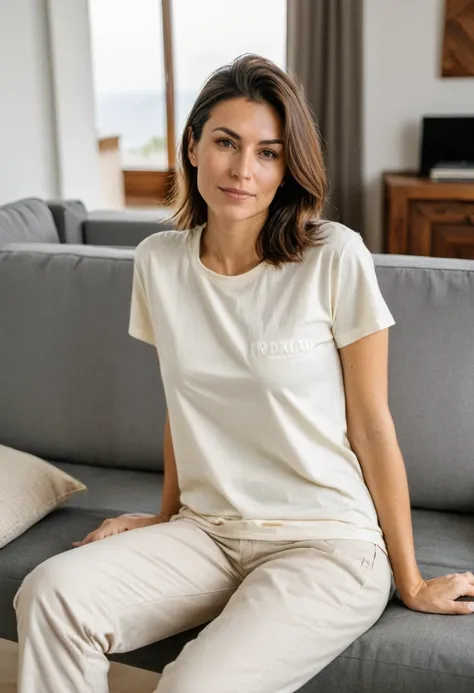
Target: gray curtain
pixel 324 49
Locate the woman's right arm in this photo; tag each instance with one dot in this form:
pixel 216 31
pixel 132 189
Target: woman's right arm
pixel 170 503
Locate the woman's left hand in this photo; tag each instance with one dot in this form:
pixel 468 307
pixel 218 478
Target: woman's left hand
pixel 437 596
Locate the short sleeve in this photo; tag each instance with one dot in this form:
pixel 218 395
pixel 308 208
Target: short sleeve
pixel 140 325
pixel 358 307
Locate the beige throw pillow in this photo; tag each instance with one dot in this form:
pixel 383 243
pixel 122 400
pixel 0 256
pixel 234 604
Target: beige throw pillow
pixel 30 488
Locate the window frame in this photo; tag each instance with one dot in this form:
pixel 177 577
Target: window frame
pixel 150 187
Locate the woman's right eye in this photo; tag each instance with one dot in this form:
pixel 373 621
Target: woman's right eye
pixel 224 143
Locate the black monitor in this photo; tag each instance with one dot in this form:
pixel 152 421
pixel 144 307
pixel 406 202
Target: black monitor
pixel 447 139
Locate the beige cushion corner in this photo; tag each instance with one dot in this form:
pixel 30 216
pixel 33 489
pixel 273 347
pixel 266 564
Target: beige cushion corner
pixel 30 488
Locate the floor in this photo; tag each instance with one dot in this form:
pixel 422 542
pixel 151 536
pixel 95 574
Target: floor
pixel 122 679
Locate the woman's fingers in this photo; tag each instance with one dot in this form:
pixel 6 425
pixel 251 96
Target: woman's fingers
pixel 468 591
pixel 464 586
pixel 110 527
pixel 463 608
pixel 463 583
pixel 92 536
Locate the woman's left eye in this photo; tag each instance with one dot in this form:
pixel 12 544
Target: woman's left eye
pixel 269 154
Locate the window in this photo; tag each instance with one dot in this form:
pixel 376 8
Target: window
pixel 129 79
pixel 210 33
pixel 135 43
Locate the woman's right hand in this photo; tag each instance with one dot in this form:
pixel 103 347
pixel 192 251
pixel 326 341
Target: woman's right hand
pixel 117 525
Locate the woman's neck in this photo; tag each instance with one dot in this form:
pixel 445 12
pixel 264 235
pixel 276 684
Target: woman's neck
pixel 229 247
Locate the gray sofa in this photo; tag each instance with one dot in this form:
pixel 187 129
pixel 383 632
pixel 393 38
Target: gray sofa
pixel 77 390
pixel 68 221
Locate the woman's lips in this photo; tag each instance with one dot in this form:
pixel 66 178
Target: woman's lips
pixel 235 194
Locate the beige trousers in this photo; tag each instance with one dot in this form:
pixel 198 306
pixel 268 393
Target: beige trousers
pixel 280 611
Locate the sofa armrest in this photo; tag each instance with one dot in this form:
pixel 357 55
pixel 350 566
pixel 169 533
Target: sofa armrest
pixel 124 228
pixel 69 216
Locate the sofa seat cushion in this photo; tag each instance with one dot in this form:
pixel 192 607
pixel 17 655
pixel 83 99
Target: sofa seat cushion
pixel 404 651
pixel 115 490
pixel 444 543
pixel 110 492
pixel 27 221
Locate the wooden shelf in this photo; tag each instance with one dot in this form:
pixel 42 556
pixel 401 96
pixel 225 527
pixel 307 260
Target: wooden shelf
pixel 423 217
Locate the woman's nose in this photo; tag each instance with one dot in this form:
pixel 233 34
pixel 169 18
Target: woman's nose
pixel 242 166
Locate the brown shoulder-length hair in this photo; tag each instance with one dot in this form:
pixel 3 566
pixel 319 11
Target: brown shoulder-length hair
pixel 292 224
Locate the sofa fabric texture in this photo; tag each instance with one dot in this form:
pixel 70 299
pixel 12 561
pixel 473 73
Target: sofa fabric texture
pixel 78 391
pixel 28 220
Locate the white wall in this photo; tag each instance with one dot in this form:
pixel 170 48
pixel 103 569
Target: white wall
pixel 402 58
pixel 48 142
pixel 73 92
pixel 28 161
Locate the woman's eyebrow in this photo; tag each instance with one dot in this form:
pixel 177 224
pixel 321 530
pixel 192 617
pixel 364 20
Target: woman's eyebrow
pixel 238 137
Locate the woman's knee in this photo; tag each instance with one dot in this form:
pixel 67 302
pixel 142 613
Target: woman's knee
pixel 48 579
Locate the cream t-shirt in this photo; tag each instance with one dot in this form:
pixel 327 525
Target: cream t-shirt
pixel 254 387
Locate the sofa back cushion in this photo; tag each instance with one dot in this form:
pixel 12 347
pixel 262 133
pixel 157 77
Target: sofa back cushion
pixel 431 375
pixel 27 221
pixel 74 386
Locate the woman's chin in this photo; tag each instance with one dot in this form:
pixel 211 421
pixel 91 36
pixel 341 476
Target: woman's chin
pixel 232 212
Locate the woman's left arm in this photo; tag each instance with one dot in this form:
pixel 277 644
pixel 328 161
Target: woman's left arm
pixel 371 433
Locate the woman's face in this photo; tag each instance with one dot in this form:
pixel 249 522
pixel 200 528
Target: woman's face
pixel 239 159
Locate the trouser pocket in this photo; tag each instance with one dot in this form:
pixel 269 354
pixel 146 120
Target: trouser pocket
pixel 359 555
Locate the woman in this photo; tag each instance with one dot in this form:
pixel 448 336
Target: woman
pixel 285 502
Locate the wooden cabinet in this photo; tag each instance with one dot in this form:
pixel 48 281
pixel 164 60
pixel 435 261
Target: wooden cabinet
pixel 427 218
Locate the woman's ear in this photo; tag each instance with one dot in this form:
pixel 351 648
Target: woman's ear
pixel 191 148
